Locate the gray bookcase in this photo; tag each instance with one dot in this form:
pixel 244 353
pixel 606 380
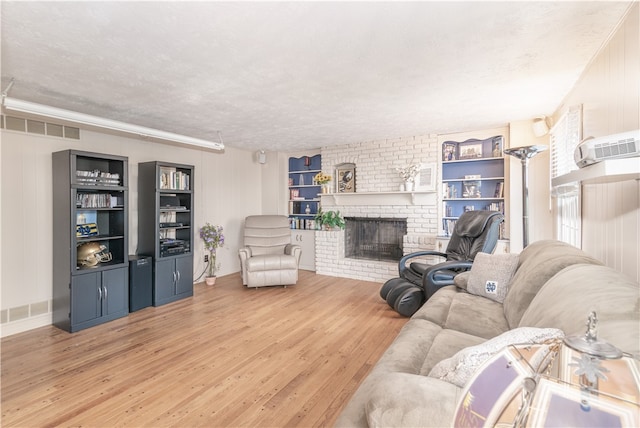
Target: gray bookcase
pixel 165 227
pixel 90 216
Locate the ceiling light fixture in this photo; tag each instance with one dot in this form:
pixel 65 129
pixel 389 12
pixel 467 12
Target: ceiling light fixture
pixel 13 104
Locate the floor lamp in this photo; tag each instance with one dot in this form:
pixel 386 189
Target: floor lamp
pixel 524 154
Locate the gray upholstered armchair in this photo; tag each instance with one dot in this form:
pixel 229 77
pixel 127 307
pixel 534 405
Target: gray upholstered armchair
pixel 268 257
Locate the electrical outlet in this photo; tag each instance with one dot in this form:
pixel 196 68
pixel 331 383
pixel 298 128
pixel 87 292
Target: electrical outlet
pixel 206 258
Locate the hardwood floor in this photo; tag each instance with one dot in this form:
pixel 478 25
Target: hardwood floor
pixel 229 356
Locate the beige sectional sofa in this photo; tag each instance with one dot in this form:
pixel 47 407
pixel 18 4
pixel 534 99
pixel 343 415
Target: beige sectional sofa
pixel 555 285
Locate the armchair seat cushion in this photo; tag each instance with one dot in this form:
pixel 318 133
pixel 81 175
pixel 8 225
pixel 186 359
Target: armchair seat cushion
pixel 271 262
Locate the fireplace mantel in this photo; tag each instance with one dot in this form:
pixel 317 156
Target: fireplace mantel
pixel 379 198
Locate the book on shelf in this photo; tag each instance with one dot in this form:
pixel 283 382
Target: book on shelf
pixel 302 223
pixel 496 206
pixel 172 179
pixel 499 190
pixel 448 225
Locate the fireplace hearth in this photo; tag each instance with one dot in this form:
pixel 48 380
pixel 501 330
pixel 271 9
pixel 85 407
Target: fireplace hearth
pixel 374 238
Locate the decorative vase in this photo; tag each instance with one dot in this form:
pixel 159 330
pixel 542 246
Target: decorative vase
pixel 408 186
pixel 210 280
pixel 325 188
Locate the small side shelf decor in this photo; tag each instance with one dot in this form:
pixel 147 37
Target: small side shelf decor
pixel 323 180
pixel 165 227
pixel 90 239
pixel 213 238
pixel 306 182
pixel 408 174
pixel 472 179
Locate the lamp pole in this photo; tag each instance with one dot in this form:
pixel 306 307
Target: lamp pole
pixel 524 154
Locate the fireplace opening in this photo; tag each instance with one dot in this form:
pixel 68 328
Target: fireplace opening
pixel 374 238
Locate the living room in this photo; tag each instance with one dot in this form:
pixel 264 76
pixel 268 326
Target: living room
pixel 230 186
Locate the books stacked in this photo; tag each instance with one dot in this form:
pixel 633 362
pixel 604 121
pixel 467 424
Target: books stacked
pixel 171 179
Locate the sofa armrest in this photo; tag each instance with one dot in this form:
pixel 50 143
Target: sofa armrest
pixel 462 279
pixel 295 250
pixel 244 254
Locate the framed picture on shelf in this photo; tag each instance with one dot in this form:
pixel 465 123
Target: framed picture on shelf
pixel 496 147
pixel 449 151
pixel 471 189
pixel 470 150
pixel 426 178
pixel 346 178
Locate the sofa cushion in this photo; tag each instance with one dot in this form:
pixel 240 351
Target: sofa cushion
pixel 446 344
pixel 405 355
pixel 271 262
pixel 455 309
pixel 462 279
pixel 538 263
pixel 491 274
pixel 459 368
pixel 406 400
pixel 475 315
pixel 566 300
pixel 436 309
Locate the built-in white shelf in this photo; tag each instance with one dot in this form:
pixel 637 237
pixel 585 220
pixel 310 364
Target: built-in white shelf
pixel 607 171
pixel 379 198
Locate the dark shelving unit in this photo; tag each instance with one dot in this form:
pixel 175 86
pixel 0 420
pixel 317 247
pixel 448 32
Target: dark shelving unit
pixel 90 208
pixel 165 227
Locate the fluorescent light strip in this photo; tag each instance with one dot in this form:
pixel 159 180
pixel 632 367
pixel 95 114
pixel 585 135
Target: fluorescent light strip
pixel 85 119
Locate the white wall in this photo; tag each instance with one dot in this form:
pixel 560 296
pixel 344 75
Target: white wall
pixel 609 91
pixel 228 186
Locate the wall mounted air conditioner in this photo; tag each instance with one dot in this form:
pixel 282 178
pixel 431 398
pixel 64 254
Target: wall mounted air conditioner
pixel 592 150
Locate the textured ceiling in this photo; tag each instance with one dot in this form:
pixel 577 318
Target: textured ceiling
pixel 292 75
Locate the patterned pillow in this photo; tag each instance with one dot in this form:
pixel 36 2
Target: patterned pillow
pixel 459 368
pixel 490 275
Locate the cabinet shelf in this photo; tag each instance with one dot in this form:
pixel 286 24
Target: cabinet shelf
pixel 486 192
pixel 173 191
pixel 101 188
pixel 304 171
pixel 490 158
pixel 118 208
pixel 99 238
pixel 450 180
pixel 303 192
pixel 474 199
pixel 102 266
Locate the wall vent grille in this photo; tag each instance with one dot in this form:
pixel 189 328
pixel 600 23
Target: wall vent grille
pixel 12 123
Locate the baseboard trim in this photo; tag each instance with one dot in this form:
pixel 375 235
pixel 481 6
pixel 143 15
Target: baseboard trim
pixel 26 324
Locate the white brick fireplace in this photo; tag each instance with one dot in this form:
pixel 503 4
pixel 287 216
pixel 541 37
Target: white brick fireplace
pixel 378 195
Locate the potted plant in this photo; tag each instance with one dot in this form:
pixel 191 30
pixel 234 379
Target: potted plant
pixel 330 219
pixel 213 239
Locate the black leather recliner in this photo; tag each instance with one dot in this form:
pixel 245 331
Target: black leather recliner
pixel 474 232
